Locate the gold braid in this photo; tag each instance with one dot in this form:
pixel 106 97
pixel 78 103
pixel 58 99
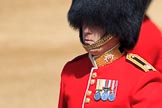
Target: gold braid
pixel 98 43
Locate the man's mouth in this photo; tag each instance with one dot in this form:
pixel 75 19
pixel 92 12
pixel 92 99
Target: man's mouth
pixel 88 42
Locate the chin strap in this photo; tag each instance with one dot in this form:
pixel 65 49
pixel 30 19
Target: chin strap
pixel 98 43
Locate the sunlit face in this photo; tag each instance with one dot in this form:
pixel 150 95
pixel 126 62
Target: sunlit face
pixel 91 34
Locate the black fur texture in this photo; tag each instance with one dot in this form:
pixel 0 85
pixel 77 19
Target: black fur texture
pixel 120 18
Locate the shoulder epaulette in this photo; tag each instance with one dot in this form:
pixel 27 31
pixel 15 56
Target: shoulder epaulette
pixel 140 62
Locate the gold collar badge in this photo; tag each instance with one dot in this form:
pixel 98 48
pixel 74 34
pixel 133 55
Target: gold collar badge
pixel 109 56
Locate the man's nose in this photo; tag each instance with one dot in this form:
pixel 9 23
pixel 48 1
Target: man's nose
pixel 87 30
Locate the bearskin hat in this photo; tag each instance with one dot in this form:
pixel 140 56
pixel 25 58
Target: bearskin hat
pixel 120 18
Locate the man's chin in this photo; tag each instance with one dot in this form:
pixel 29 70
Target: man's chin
pixel 88 43
pixel 96 51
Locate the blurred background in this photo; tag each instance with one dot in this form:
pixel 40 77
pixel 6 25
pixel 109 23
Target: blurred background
pixel 35 43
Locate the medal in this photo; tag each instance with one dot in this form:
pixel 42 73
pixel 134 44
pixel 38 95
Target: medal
pixel 97 96
pixel 112 92
pixel 106 90
pixel 99 89
pixel 104 95
pixel 111 97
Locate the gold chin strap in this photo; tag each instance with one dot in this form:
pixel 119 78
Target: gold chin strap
pixel 98 43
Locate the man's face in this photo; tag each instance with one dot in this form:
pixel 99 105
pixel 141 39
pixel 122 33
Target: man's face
pixel 91 34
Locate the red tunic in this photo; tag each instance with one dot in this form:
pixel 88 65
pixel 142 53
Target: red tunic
pixel 132 87
pixel 149 45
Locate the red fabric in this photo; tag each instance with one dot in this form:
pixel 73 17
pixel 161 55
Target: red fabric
pixel 149 45
pixel 136 89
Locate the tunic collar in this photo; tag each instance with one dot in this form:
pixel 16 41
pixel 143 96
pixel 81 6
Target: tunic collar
pixel 108 57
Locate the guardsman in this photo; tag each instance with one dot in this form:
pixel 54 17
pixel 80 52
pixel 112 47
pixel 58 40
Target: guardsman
pixel 108 76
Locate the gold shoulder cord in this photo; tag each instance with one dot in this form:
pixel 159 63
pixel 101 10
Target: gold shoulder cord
pixel 140 62
pixel 99 43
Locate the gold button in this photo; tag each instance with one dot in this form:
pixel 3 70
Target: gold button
pixel 87 100
pixel 89 93
pixel 92 81
pixel 94 75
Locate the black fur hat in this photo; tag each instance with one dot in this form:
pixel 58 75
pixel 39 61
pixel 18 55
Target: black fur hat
pixel 121 18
